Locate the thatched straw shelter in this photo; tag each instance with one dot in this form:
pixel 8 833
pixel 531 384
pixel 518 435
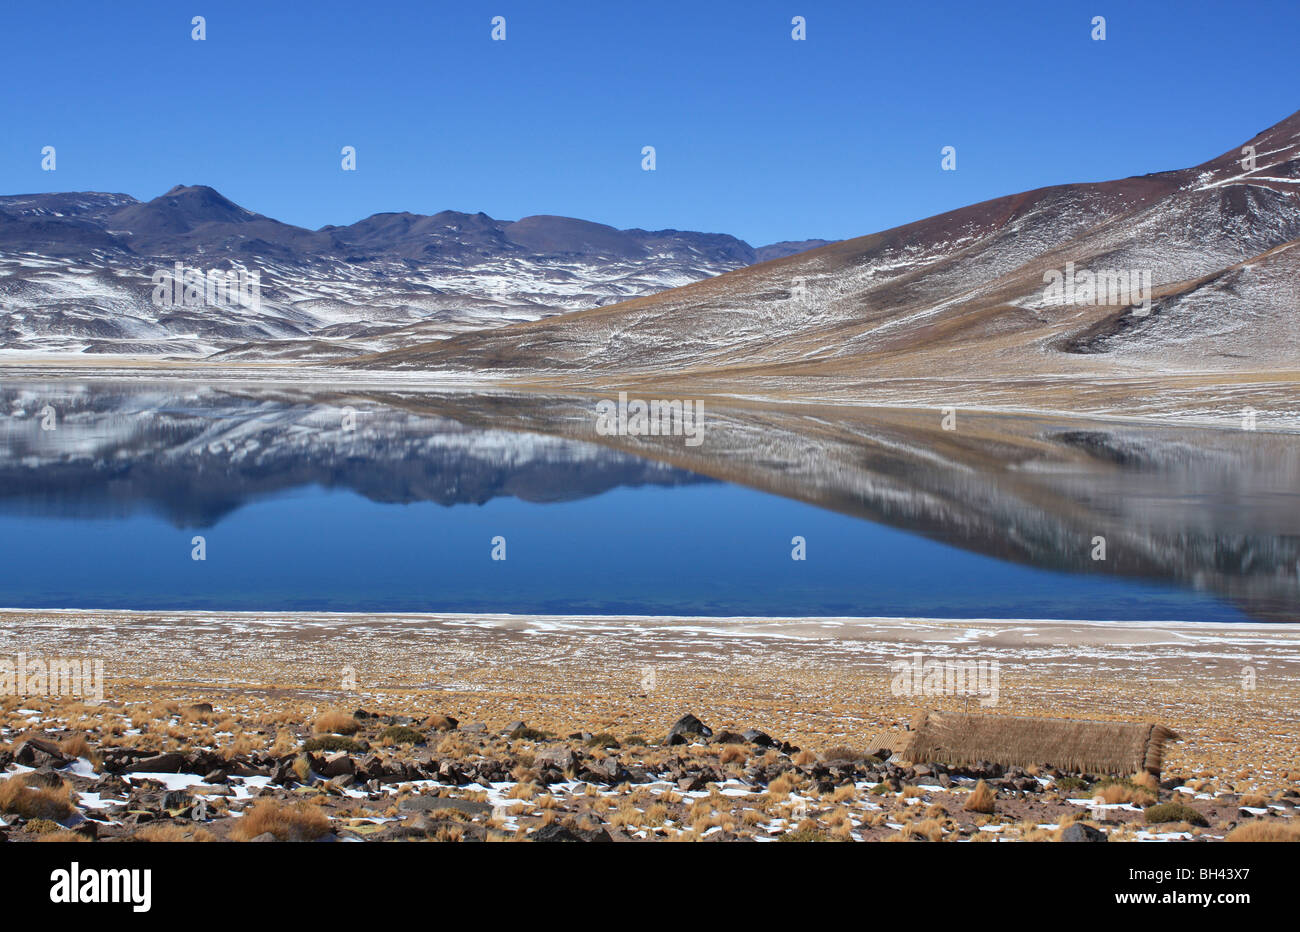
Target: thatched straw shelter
pixel 1120 748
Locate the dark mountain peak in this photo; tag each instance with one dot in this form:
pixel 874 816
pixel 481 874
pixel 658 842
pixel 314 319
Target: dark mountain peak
pixel 201 203
pixel 549 234
pixel 191 219
pixel 165 224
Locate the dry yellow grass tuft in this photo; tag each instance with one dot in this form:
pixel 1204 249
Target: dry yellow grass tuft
pixel 78 746
pixel 1264 831
pixel 780 787
pixel 336 722
pixel 733 754
pixel 929 829
pixel 981 798
pixel 301 821
pixel 62 836
pixel 1117 793
pixel 34 802
pixel 172 832
pixel 1147 780
pixel 522 791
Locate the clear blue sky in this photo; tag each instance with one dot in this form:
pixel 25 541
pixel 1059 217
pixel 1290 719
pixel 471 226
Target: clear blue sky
pixel 757 135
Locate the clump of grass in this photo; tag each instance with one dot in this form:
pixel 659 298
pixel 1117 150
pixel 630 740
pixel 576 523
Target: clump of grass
pixel 336 722
pixel 1254 800
pixel 841 752
pixel 1146 781
pixel 1071 783
pixel 929 829
pixel 634 741
pixel 1174 812
pixel 881 789
pixel 41 827
pixel 331 743
pixel 1122 791
pixel 300 821
pixel 524 733
pixel 401 734
pixel 302 768
pixel 733 754
pixel 981 799
pixel 440 722
pixel 806 831
pixel 603 740
pixel 35 802
pixel 284 744
pixel 78 746
pixel 522 791
pixel 1264 831
pixel 172 832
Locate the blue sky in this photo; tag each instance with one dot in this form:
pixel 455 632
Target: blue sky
pixel 756 135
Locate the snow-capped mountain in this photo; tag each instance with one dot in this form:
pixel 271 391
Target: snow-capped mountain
pixel 1194 271
pixel 77 274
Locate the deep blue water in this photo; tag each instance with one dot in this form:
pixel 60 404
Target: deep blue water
pixel 711 549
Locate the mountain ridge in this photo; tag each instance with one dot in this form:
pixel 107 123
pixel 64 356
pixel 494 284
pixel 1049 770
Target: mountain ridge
pixel 963 294
pixel 77 270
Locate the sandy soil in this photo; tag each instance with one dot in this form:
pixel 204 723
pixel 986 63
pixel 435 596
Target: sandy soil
pixel 1233 691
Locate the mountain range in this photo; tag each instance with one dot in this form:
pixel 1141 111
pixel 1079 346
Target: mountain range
pixel 1181 296
pixel 76 274
pixel 962 305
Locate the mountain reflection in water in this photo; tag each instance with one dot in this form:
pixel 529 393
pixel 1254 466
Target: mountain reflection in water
pixel 1212 513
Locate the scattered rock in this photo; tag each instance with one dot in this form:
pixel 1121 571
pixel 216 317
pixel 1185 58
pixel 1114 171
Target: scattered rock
pixel 171 762
pixel 37 752
pixel 561 757
pixel 688 725
pixel 45 776
pixel 1077 831
pixel 557 832
pixel 434 803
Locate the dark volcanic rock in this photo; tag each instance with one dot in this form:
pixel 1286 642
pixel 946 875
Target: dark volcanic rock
pixel 1077 831
pixel 38 752
pixel 688 725
pixel 558 832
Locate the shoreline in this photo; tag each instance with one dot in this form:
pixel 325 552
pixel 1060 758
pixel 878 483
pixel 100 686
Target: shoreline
pixel 243 695
pixel 1165 401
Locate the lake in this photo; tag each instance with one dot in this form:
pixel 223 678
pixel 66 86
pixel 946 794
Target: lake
pixel 399 501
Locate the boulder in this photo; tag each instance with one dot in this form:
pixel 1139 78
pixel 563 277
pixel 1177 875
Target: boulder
pixel 170 762
pixel 1077 831
pixel 434 803
pixel 688 724
pixel 557 832
pixel 38 752
pixel 337 764
pixel 45 776
pixel 559 756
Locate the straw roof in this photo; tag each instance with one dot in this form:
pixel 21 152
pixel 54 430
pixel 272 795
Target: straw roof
pixel 1016 741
